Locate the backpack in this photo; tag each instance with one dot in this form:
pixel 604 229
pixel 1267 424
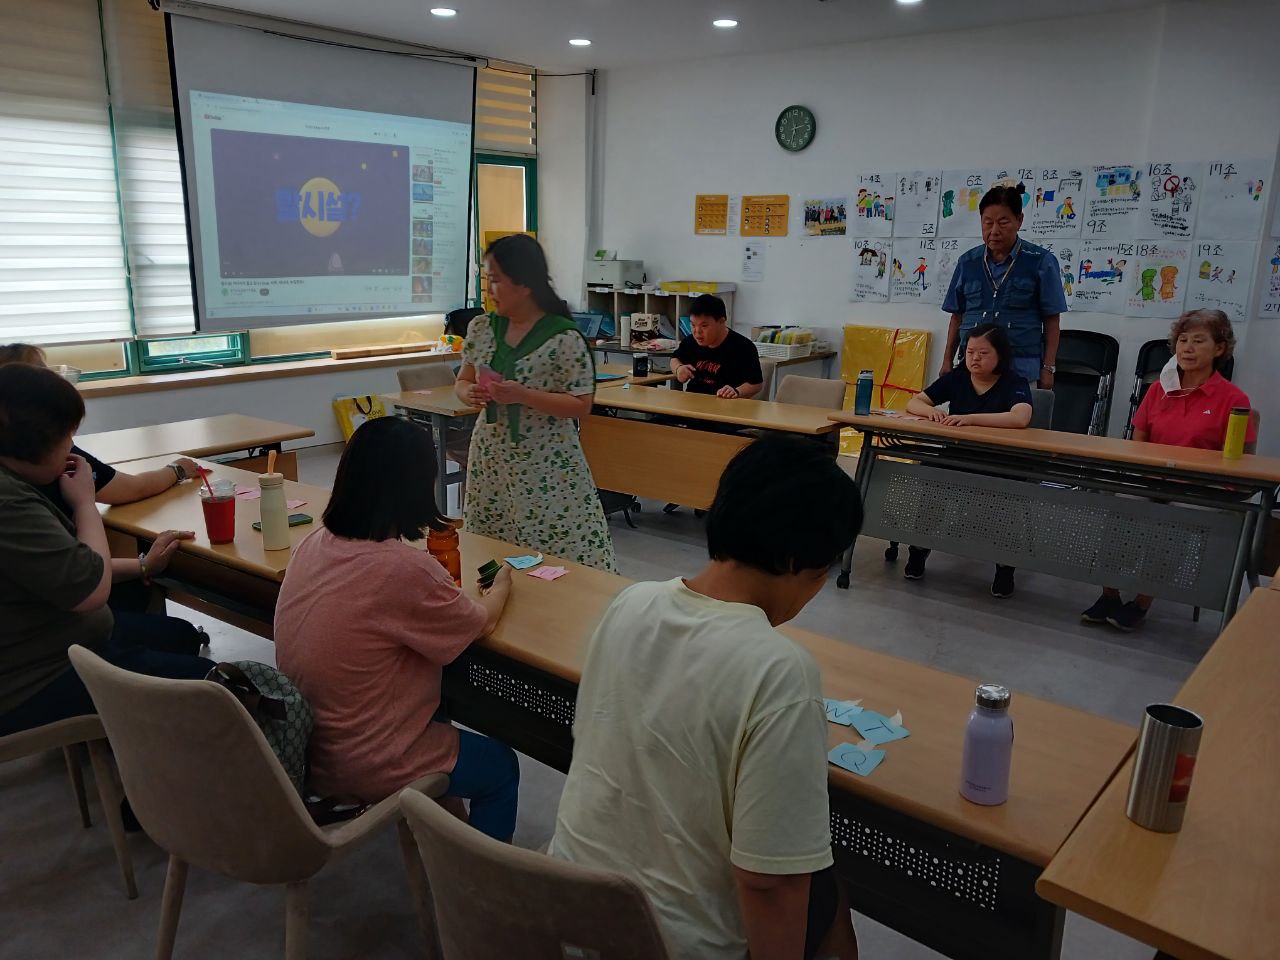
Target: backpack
pixel 277 707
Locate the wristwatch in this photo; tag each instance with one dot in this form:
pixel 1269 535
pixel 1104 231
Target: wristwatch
pixel 178 471
pixel 1049 366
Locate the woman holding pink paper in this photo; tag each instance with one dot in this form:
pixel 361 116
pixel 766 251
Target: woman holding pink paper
pixel 528 365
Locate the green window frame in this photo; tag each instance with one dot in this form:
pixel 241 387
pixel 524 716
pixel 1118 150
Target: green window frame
pixel 191 352
pixel 530 165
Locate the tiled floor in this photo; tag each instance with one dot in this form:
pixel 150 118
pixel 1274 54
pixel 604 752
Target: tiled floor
pixel 60 894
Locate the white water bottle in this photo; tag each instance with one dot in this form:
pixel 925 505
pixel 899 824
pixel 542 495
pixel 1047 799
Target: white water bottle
pixel 275 513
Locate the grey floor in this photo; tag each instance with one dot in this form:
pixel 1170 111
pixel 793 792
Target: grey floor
pixel 60 894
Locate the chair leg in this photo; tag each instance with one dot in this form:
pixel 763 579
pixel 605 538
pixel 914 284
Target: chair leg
pixel 110 796
pixel 296 915
pixel 420 889
pixel 1195 615
pixel 175 885
pixel 71 753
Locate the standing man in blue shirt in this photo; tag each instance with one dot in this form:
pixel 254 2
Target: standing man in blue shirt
pixel 1012 283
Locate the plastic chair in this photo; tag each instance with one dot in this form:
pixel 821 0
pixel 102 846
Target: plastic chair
pixel 495 901
pixel 1042 402
pixel 72 736
pixel 1082 385
pixel 207 789
pixel 1152 357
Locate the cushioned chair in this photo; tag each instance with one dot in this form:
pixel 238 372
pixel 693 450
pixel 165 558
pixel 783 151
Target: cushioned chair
pixel 812 392
pixel 72 736
pixel 207 788
pixel 495 901
pixel 768 367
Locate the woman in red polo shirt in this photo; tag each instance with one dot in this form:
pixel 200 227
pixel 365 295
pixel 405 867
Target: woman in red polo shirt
pixel 1187 407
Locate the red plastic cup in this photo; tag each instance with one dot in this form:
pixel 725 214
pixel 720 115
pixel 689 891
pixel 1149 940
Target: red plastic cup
pixel 219 517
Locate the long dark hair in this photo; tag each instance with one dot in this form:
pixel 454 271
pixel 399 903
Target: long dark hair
pixel 522 260
pixel 998 337
pixel 385 485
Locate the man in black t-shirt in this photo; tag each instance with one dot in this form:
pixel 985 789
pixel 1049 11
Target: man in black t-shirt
pixel 715 359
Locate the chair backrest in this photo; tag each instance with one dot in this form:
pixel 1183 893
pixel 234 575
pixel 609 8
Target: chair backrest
pixel 200 776
pixel 1154 354
pixel 768 367
pixel 425 375
pixel 1041 409
pixel 457 321
pixel 812 391
pixel 1086 351
pixel 495 901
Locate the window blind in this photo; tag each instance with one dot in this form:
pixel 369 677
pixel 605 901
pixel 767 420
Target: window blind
pixel 62 269
pixel 506 110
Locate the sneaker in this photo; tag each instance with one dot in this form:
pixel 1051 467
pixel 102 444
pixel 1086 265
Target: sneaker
pixel 914 570
pixel 1105 607
pixel 1128 618
pixel 891 552
pixel 671 508
pixel 1002 585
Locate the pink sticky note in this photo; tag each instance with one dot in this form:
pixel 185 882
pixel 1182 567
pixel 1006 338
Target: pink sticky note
pixel 247 493
pixel 290 504
pixel 548 573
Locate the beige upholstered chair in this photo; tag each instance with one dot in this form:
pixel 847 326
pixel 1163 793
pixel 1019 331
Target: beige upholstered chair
pixel 426 375
pixel 72 736
pixel 811 391
pixel 495 902
pixel 768 367
pixel 207 788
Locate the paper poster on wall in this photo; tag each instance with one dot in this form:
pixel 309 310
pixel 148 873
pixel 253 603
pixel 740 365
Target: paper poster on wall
pixel 733 221
pixel 765 215
pixel 1222 276
pixel 962 190
pixel 711 214
pixel 1020 178
pixel 1101 269
pixel 915 205
pixel 912 269
pixel 1275 222
pixel 825 218
pixel 948 252
pixel 871 269
pixel 1113 201
pixel 753 260
pixel 1234 200
pixel 1269 295
pixel 1172 199
pixel 1067 253
pixel 1055 202
pixel 873 204
pixel 1157 283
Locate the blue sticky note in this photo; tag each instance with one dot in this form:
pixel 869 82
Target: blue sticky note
pixel 838 711
pixel 877 728
pixel 855 759
pixel 525 562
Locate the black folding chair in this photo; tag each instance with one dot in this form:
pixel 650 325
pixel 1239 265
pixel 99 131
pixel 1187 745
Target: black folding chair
pixel 1082 385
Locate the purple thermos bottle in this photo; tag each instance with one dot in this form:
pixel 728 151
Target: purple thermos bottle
pixel 988 747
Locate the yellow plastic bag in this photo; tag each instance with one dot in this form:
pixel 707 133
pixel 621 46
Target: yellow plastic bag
pixel 353 411
pixel 896 358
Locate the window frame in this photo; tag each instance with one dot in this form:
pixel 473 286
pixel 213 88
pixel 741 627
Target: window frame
pixel 530 166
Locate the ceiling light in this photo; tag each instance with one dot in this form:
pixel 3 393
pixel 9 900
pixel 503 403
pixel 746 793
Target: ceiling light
pixel 443 12
pixel 907 3
pixel 579 42
pixel 724 24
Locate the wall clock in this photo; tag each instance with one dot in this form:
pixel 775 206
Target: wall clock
pixel 795 128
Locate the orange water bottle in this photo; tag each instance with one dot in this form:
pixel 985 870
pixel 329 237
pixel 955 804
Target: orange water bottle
pixel 443 545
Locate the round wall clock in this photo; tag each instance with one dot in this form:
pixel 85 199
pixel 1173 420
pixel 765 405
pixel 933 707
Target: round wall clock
pixel 795 128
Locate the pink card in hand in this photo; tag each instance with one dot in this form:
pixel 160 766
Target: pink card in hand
pixel 486 376
pixel 548 573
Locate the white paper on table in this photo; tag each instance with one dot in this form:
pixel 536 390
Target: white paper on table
pixel 1221 277
pixel 1234 199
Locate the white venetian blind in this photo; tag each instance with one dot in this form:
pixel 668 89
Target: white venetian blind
pixel 150 178
pixel 62 271
pixel 506 110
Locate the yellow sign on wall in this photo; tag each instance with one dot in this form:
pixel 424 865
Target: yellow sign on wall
pixel 766 215
pixel 711 215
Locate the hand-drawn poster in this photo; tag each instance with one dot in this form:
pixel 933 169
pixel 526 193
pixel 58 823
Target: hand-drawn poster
pixel 948 252
pixel 1157 283
pixel 873 204
pixel 1067 253
pixel 961 192
pixel 913 272
pixel 825 218
pixel 916 203
pixel 1020 178
pixel 1056 203
pixel 1172 199
pixel 1269 295
pixel 871 258
pixel 1222 276
pixel 1114 200
pixel 1234 200
pixel 1100 276
pixel 711 214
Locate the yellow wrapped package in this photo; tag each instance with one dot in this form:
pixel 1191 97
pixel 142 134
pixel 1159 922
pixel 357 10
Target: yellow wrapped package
pixel 896 358
pixel 353 411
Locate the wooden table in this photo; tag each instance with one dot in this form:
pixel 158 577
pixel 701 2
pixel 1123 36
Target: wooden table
pixel 623 371
pixel 435 407
pixel 1187 526
pixel 204 437
pixel 1211 891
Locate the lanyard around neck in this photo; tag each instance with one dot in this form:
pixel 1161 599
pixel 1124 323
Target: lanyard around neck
pixel 986 264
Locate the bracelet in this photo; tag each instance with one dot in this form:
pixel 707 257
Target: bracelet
pixel 142 568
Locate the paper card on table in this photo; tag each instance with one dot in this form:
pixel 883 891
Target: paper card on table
pixel 292 504
pixel 548 573
pixel 524 562
pixel 841 711
pixel 247 493
pixel 878 729
pixel 855 759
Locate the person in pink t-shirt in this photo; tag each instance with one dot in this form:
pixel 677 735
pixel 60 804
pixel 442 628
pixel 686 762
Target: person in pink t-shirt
pixel 1187 407
pixel 365 623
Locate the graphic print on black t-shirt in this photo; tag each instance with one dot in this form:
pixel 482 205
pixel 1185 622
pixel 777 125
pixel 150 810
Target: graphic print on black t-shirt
pixel 735 362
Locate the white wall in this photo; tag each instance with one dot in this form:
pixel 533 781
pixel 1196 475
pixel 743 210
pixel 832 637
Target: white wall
pixel 1181 80
pixel 564 177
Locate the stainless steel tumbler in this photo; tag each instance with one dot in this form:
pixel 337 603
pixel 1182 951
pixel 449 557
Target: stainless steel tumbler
pixel 1162 768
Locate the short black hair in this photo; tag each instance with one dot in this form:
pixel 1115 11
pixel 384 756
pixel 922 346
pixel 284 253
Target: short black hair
pixel 457 321
pixel 385 485
pixel 998 337
pixel 38 409
pixel 784 506
pixel 708 305
pixel 1003 195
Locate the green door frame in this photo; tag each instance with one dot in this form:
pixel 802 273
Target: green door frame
pixel 530 165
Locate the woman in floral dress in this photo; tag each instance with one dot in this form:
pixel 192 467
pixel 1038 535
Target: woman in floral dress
pixel 529 366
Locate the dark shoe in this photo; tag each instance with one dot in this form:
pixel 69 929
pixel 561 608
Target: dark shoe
pixel 1128 618
pixel 914 570
pixel 1002 585
pixel 891 552
pixel 671 508
pixel 1103 608
pixel 699 514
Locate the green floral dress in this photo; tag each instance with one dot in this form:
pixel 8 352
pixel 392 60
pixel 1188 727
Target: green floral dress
pixel 538 491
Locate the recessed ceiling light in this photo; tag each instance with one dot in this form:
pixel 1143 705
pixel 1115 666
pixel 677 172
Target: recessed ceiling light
pixel 579 42
pixel 724 24
pixel 907 3
pixel 443 12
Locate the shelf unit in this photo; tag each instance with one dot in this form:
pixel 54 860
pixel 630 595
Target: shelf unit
pixel 671 306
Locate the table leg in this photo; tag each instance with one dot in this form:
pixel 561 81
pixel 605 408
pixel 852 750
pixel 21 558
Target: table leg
pixel 439 426
pixel 1238 569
